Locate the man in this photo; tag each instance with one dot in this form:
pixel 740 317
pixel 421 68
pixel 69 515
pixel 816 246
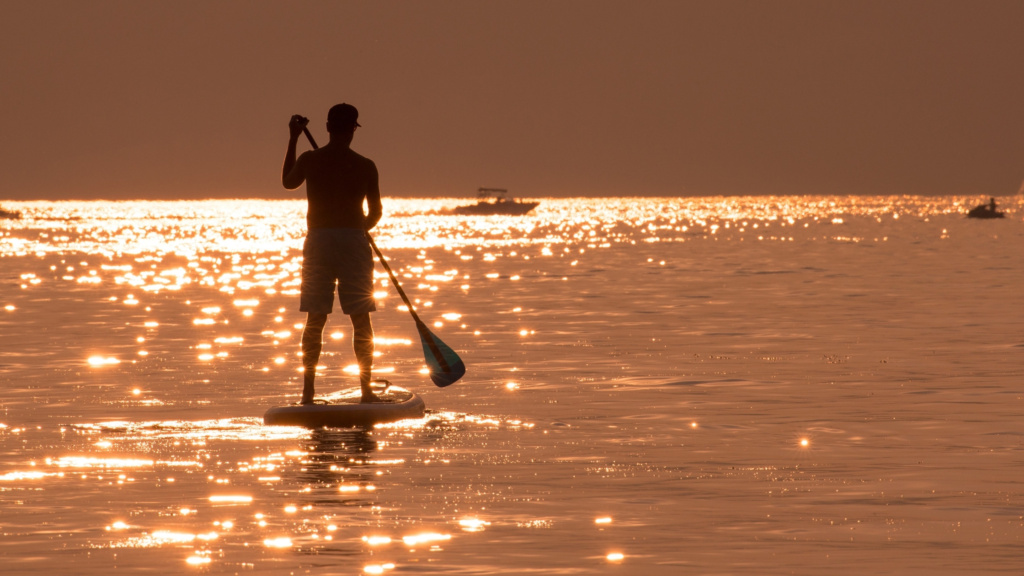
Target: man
pixel 336 251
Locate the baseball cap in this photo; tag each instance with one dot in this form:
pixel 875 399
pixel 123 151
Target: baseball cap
pixel 343 115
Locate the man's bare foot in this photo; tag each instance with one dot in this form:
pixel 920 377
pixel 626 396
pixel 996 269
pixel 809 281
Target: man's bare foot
pixel 306 400
pixel 369 397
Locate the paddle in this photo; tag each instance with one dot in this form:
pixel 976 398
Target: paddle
pixel 445 365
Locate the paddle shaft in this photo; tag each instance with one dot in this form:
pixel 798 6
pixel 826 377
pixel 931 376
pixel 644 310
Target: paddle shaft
pixel 425 334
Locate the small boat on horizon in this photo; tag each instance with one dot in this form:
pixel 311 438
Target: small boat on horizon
pixel 9 214
pixel 495 201
pixel 985 211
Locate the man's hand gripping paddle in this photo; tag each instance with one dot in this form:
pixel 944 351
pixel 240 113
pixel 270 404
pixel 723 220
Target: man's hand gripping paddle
pixel 445 365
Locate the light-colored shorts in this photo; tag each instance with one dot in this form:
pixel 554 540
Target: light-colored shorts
pixel 337 257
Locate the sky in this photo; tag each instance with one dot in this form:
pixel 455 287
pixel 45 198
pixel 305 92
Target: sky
pixel 551 98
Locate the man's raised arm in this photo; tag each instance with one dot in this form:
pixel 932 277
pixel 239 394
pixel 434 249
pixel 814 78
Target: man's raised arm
pixel 291 177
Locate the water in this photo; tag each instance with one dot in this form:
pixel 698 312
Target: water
pixel 655 386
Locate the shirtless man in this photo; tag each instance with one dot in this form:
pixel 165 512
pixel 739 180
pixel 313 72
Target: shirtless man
pixel 336 251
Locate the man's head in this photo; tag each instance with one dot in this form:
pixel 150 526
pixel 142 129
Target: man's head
pixel 342 118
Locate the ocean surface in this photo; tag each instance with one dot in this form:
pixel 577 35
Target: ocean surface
pixel 660 386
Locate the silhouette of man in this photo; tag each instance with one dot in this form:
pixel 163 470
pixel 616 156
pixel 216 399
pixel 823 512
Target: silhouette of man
pixel 336 252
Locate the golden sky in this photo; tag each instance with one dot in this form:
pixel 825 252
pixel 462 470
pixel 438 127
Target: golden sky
pixel 130 99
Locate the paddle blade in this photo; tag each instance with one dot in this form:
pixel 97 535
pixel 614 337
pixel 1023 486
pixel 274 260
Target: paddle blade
pixel 444 364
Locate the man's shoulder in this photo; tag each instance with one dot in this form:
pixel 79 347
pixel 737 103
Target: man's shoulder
pixel 363 159
pixel 330 155
pixel 364 163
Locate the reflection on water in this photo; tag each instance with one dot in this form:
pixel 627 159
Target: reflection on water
pixel 296 492
pixel 661 386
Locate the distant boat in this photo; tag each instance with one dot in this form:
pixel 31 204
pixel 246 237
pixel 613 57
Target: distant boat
pixel 8 214
pixel 988 210
pixel 495 201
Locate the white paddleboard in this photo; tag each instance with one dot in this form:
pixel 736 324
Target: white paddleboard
pixel 345 410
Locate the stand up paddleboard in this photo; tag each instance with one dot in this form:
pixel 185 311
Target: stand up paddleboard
pixel 344 410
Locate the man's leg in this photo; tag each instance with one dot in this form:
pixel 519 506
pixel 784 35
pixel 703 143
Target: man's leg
pixel 312 343
pixel 362 343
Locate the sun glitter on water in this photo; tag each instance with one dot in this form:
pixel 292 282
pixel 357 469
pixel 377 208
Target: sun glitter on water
pixel 234 266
